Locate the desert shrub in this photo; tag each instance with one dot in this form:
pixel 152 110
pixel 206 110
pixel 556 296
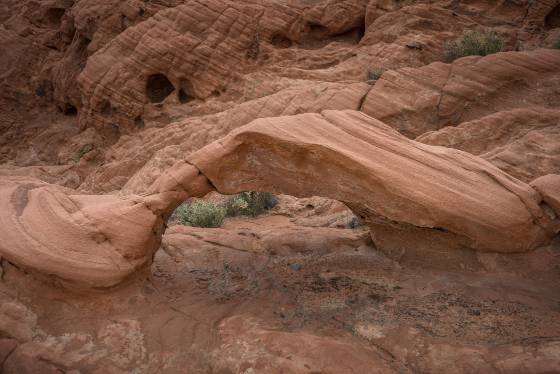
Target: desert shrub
pixel 474 43
pixel 82 152
pixel 355 222
pixel 375 74
pixel 250 204
pixel 201 214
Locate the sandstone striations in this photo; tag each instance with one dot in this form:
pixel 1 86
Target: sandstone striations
pixel 408 204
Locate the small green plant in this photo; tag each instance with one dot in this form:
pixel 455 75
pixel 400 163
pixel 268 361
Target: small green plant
pixel 201 214
pixel 82 152
pixel 474 43
pixel 355 222
pixel 250 204
pixel 375 74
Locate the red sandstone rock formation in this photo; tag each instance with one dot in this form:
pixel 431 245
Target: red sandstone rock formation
pixel 102 102
pixel 443 200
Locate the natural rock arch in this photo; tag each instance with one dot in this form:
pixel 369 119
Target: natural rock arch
pixel 415 197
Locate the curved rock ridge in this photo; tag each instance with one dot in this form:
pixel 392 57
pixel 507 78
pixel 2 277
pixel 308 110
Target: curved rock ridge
pixel 348 156
pixel 455 199
pixel 416 100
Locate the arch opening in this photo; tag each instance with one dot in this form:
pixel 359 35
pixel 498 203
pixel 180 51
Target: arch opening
pixel 69 110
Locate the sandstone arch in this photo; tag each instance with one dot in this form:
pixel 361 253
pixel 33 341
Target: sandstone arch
pixel 415 197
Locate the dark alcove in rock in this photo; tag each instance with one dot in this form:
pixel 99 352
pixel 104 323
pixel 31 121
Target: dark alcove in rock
pixel 158 87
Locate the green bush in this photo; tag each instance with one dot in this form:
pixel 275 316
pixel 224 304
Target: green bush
pixel 82 152
pixel 375 74
pixel 474 43
pixel 201 214
pixel 250 204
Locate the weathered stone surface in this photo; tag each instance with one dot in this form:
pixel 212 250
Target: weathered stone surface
pixel 525 143
pixel 77 238
pixel 298 352
pixel 417 100
pixel 549 187
pixel 197 48
pixel 136 161
pixel 280 240
pixel 111 97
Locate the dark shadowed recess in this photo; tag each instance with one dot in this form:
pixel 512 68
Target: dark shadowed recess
pixel 158 87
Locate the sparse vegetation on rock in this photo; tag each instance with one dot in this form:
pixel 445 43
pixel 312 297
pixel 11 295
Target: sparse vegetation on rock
pixel 82 152
pixel 250 204
pixel 374 74
pixel 210 214
pixel 201 213
pixel 474 43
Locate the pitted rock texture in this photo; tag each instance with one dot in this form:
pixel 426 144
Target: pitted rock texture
pixel 209 43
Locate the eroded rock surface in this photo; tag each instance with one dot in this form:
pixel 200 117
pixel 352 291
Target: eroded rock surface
pixel 417 100
pixel 101 103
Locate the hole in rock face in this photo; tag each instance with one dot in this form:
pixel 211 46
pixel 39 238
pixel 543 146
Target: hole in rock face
pixel 139 122
pixel 552 19
pixel 317 32
pixel 54 15
pixel 45 88
pixel 158 87
pixel 280 41
pixel 69 110
pixel 318 36
pixel 106 109
pixel 185 93
pixel 353 35
pixel 184 97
